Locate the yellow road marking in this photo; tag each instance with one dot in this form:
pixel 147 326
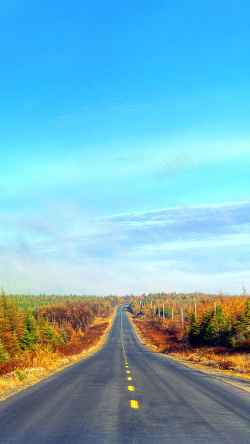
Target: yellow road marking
pixel 134 404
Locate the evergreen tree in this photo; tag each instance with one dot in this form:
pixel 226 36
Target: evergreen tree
pixel 194 330
pixel 8 337
pixel 63 337
pixel 30 337
pixel 241 330
pixel 47 334
pixel 245 317
pixel 3 354
pixel 204 333
pixel 216 330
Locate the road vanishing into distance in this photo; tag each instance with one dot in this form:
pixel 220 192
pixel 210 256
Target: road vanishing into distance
pixel 127 394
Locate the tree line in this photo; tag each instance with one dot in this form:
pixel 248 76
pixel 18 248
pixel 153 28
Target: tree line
pixel 58 323
pixel 198 319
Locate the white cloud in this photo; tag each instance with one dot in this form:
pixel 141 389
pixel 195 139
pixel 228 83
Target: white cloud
pixel 191 248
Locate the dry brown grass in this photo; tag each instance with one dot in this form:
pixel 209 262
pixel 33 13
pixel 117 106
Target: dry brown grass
pixel 236 362
pixel 166 338
pixel 171 340
pixel 32 365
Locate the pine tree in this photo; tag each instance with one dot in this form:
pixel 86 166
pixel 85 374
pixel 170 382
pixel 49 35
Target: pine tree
pixel 8 337
pixel 3 354
pixel 63 337
pixel 245 317
pixel 242 326
pixel 47 334
pixel 217 328
pixel 30 336
pixel 205 334
pixel 194 330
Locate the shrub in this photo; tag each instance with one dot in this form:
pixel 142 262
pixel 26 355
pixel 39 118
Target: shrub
pixel 3 354
pixel 20 375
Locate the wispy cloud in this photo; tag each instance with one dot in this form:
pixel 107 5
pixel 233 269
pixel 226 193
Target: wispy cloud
pixel 200 240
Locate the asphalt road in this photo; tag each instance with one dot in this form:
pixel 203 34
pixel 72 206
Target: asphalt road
pixel 93 401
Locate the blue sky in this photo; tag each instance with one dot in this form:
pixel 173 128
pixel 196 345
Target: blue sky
pixel 124 146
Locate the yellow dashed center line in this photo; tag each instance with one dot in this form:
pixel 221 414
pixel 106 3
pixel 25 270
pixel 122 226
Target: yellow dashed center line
pixel 134 404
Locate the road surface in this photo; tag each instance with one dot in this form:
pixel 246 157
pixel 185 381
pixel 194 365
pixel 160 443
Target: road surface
pixel 127 394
